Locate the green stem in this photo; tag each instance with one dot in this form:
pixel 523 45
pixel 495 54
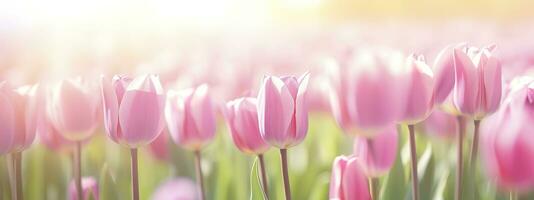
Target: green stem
pixel 374 188
pixel 263 177
pixel 134 174
pixel 200 180
pixel 459 157
pixel 285 174
pixel 78 169
pixel 413 152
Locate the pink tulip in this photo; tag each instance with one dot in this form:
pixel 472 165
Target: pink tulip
pixel 159 148
pixel 19 117
pixel 419 91
pixel 365 93
pixel 242 118
pixel 176 189
pixel 89 189
pixel 190 117
pixel 51 138
pixel 133 109
pixel 444 74
pixel 282 110
pixel 477 91
pixel 348 180
pixel 441 124
pixel 73 107
pixel 377 155
pixel 507 141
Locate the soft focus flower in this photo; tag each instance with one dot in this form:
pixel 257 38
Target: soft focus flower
pixel 159 147
pixel 89 189
pixel 73 106
pixel 377 155
pixel 282 110
pixel 51 138
pixel 441 124
pixel 348 180
pixel 19 116
pixel 133 109
pixel 419 91
pixel 190 117
pixel 365 92
pixel 507 141
pixel 176 189
pixel 477 91
pixel 242 118
pixel 443 69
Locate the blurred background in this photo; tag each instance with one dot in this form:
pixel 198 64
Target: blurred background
pixel 231 44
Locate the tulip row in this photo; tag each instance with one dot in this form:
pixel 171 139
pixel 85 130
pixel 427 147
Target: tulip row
pixel 370 94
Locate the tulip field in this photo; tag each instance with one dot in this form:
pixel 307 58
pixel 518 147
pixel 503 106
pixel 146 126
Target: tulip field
pixel 261 100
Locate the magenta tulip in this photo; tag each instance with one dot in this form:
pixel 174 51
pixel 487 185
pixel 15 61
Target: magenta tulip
pixel 365 92
pixel 477 91
pixel 377 155
pixel 176 189
pixel 419 91
pixel 133 109
pixel 242 118
pixel 348 180
pixel 507 140
pixel 282 110
pixel 89 189
pixel 190 117
pixel 73 107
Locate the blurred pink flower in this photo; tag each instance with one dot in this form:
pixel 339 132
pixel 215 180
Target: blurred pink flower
pixel 477 91
pixel 377 155
pixel 242 119
pixel 176 189
pixel 348 180
pixel 73 107
pixel 89 189
pixel 283 111
pixel 19 116
pixel 190 117
pixel 444 74
pixel 159 148
pixel 133 109
pixel 441 124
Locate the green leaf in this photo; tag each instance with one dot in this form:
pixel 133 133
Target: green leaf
pixel 108 187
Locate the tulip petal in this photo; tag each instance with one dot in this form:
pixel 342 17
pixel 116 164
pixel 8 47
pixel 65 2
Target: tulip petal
pixel 301 108
pixel 202 112
pixel 7 123
pixel 111 109
pixel 466 89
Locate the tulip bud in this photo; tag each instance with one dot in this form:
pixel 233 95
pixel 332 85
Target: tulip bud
pixel 283 111
pixel 178 188
pixel 377 155
pixel 89 189
pixel 477 91
pixel 419 91
pixel 348 180
pixel 73 108
pixel 242 118
pixel 133 109
pixel 190 117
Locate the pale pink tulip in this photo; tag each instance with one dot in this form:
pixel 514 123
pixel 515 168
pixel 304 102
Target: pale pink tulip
pixel 19 116
pixel 282 110
pixel 478 77
pixel 444 74
pixel 365 91
pixel 159 148
pixel 419 92
pixel 73 107
pixel 441 124
pixel 190 117
pixel 133 109
pixel 242 119
pixel 377 155
pixel 507 142
pixel 348 180
pixel 176 189
pixel 89 189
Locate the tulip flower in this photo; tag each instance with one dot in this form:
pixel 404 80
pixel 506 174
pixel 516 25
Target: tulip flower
pixel 174 189
pixel 19 115
pixel 242 118
pixel 133 114
pixel 377 154
pixel 159 148
pixel 89 189
pixel 507 141
pixel 441 124
pixel 348 180
pixel 364 94
pixel 283 115
pixel 191 122
pixel 444 74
